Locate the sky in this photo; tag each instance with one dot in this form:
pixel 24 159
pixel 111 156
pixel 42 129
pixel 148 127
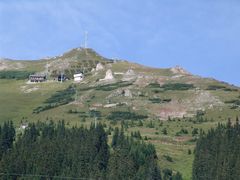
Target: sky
pixel 203 36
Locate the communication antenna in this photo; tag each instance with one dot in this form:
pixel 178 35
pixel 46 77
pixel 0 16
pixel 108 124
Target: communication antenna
pixel 85 39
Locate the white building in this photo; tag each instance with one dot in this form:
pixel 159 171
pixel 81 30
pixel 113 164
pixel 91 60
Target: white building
pixel 78 77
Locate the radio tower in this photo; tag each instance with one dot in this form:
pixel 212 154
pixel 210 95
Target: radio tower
pixel 85 39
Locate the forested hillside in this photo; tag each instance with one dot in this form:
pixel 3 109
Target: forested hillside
pixel 217 153
pixel 52 151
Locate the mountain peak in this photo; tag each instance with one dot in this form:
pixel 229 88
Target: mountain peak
pixel 179 70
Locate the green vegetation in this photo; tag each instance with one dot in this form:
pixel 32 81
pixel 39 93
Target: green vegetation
pixel 57 99
pixel 159 101
pixel 177 87
pixel 234 103
pixel 220 87
pixel 154 85
pixel 125 115
pixel 19 75
pixel 182 132
pixel 217 153
pixel 52 151
pixel 156 88
pixel 164 131
pixel 169 175
pixel 7 137
pixel 111 87
pixel 18 99
pixel 168 158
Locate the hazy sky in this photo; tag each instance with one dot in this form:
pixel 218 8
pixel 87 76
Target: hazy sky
pixel 203 36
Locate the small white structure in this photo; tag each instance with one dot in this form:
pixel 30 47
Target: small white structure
pixel 23 126
pixel 78 77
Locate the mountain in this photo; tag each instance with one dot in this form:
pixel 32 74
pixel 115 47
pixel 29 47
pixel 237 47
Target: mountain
pixel 112 90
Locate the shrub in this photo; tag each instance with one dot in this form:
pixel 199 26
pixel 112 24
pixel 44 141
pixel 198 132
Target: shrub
pixel 59 98
pixel 177 86
pixel 125 115
pixel 215 87
pixel 168 158
pixel 19 75
pixel 164 131
pixel 154 85
pixel 110 87
pixel 220 87
pixel 158 100
pixel 150 125
pixel 195 132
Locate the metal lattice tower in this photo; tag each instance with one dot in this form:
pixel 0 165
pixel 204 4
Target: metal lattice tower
pixel 85 39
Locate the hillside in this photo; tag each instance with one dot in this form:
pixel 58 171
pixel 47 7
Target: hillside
pixel 165 105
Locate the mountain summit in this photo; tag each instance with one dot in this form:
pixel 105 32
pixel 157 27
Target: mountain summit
pixel 169 106
pixel 159 93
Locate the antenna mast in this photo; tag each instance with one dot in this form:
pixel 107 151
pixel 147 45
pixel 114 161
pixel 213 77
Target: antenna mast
pixel 85 39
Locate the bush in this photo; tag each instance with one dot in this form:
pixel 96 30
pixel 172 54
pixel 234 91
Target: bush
pixel 220 87
pixel 150 125
pixel 235 102
pixel 177 86
pixel 169 175
pixel 168 158
pixel 195 132
pixel 164 131
pixel 110 87
pixel 59 98
pixel 158 100
pixel 215 87
pixel 19 75
pixel 181 132
pixel 154 85
pixel 125 115
pixel 140 123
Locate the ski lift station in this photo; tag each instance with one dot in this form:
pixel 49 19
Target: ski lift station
pixel 37 78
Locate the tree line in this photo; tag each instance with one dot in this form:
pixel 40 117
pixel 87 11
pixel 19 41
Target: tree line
pixel 217 153
pixel 52 151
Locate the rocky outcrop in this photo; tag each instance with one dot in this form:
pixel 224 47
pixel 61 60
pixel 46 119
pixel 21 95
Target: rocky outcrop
pixel 99 67
pixel 127 93
pixel 179 70
pixel 108 76
pixel 129 75
pixel 121 92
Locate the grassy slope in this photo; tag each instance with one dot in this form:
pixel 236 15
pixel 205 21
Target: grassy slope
pixel 17 105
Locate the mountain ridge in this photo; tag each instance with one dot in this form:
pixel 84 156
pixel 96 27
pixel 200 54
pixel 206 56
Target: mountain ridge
pixel 164 104
pixel 188 93
pixel 17 64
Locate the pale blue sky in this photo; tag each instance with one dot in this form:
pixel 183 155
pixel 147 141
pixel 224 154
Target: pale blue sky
pixel 203 36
